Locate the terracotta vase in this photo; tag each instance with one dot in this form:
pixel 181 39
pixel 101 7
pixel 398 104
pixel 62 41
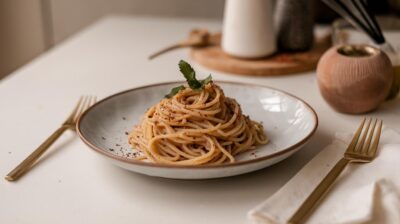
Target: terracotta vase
pixel 354 78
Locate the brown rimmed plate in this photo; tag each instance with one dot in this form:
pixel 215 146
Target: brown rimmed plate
pixel 288 121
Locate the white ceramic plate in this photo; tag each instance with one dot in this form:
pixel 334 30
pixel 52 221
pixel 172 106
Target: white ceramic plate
pixel 289 122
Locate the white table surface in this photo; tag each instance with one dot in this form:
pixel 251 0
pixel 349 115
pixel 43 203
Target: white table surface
pixel 71 184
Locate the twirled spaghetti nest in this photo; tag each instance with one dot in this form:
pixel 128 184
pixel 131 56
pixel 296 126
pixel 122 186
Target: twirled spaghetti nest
pixel 196 127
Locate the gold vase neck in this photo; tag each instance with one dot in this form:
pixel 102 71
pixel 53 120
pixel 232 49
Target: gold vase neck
pixel 357 50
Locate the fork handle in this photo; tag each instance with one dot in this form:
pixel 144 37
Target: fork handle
pixel 25 165
pixel 318 192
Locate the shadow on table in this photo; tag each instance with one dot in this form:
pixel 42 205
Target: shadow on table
pixel 250 189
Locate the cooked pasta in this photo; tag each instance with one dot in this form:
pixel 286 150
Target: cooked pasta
pixel 196 127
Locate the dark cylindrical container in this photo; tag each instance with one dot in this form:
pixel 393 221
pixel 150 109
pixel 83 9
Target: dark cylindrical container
pixel 294 24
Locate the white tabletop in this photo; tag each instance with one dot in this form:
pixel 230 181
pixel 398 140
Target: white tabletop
pixel 71 184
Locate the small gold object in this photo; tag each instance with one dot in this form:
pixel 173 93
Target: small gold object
pixel 83 104
pixel 357 50
pixel 359 150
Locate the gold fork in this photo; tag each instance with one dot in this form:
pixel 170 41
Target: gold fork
pixel 84 103
pixel 359 150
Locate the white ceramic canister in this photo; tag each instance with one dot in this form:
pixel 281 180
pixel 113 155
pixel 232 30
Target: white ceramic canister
pixel 248 28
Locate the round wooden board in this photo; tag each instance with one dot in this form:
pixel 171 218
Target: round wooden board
pixel 281 63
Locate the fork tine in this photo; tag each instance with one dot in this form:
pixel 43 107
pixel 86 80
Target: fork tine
pixel 354 141
pixel 71 116
pixel 361 142
pixel 91 100
pixel 369 138
pixel 374 148
pixel 94 100
pixel 83 107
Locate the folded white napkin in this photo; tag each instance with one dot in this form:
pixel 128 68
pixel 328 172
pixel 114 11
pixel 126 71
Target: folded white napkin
pixel 367 193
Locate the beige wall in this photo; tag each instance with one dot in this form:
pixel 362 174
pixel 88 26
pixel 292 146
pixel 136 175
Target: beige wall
pixel 29 27
pixel 21 33
pixel 72 15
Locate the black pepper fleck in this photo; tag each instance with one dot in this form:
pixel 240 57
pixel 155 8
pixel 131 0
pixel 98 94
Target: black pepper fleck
pixel 124 118
pixel 126 133
pixel 112 150
pixel 103 138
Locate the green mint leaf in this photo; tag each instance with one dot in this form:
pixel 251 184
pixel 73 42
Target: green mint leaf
pixel 189 74
pixel 206 80
pixel 194 84
pixel 174 91
pixel 187 70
